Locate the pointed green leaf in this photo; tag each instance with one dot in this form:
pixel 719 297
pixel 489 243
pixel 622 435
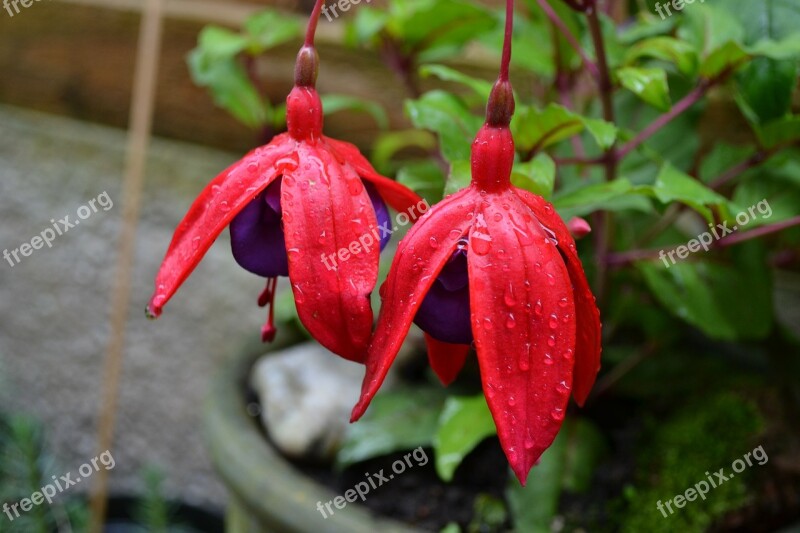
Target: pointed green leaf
pixel 464 423
pixel 649 84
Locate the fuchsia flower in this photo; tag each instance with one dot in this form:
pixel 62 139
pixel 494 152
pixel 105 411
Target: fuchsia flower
pixel 496 265
pixel 292 205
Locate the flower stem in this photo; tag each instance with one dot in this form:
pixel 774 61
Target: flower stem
pixel 571 39
pixel 505 62
pixel 311 30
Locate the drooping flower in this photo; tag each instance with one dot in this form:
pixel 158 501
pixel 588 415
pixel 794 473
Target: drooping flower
pixel 293 206
pixel 495 265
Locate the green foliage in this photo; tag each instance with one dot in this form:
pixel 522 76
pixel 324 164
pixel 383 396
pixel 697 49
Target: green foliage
pixel 567 465
pixel 681 449
pixel 694 120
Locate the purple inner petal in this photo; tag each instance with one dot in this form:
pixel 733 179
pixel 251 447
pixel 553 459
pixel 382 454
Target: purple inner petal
pixel 444 313
pixel 257 239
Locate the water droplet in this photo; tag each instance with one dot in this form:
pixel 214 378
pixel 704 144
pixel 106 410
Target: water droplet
pixel 252 167
pixel 538 308
pixel 487 323
pixel 565 319
pixel 553 321
pixel 481 243
pixel 551 341
pixel 548 359
pixel 287 217
pixel 511 322
pixel 548 208
pixel 529 443
pixel 563 302
pixel 562 387
pixel 215 189
pixel 355 187
pixel 506 207
pixel 551 280
pixel 321 239
pixel 223 206
pixel 195 243
pixel 509 298
pixel 455 234
pixel 498 217
pixel 568 354
pixel 524 363
pixel 538 266
pixel 299 297
pixel 288 181
pixel 433 242
pixel 557 414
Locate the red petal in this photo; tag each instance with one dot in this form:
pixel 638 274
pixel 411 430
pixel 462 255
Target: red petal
pixel 446 359
pixel 330 228
pixel 213 209
pixel 523 320
pixel 419 259
pixel 398 196
pixel 588 348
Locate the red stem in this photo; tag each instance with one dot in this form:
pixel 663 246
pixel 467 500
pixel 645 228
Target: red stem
pixel 312 23
pixel 505 62
pixel 558 23
pixel 685 103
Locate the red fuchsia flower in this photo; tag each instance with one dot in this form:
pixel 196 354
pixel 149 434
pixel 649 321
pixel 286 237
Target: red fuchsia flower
pixel 496 265
pixel 293 206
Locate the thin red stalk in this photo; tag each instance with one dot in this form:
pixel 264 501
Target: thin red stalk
pixel 505 62
pixel 312 23
pixel 685 103
pixel 759 232
pixel 573 42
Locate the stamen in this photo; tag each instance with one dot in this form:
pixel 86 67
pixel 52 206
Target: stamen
pixel 267 299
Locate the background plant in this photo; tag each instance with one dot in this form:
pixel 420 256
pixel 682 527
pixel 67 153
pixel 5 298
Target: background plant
pixel 651 129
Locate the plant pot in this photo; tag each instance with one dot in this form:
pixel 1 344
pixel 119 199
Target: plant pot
pixel 267 492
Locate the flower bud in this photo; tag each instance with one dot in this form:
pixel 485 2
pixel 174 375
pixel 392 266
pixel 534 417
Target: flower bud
pixel 306 67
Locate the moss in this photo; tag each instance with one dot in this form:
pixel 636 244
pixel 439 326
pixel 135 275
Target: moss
pixel 702 437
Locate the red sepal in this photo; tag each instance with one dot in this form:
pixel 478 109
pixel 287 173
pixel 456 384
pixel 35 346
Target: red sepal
pixel 446 359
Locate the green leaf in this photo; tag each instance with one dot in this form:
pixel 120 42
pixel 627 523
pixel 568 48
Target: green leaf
pixel 488 514
pixel 725 59
pixel 766 19
pixel 709 296
pixel 365 26
pixel 679 53
pixel 482 88
pixel 779 132
pixel 672 185
pixel 765 88
pixel 649 84
pixel 270 28
pixel 537 175
pixel 707 27
pixel 332 103
pixel 604 133
pixel 772 191
pixel 616 195
pixel 535 130
pixel 389 143
pixel 424 178
pixel 447 116
pixel 459 177
pixel 463 424
pixel 397 420
pixel 568 464
pixel 211 67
